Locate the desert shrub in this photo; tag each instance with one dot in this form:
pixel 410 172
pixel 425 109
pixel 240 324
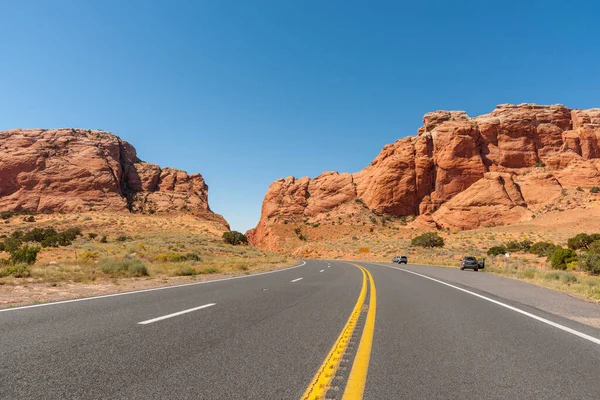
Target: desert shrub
pixel 582 240
pixel 552 276
pixel 373 220
pixel 92 235
pixel 185 271
pixel 26 255
pixel 179 257
pixel 594 247
pixel 430 239
pixel 371 229
pixel 594 189
pixel 122 238
pixel 516 246
pixel 542 249
pixel 132 267
pixel 235 238
pixel 89 255
pixel 573 266
pixel 49 237
pixel 561 257
pixel 530 273
pixel 208 270
pixel 18 234
pixel 17 271
pixel 579 189
pixel 568 277
pixel 11 244
pixel 6 214
pixel 103 239
pixel 540 164
pixel 496 251
pixel 590 262
pixel 242 267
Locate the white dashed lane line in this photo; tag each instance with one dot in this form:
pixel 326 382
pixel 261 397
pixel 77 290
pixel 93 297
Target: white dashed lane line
pixel 175 314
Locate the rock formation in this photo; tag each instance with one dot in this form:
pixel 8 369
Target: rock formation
pixel 82 170
pixel 458 172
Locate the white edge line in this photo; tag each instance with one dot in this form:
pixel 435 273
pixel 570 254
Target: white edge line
pixel 515 309
pixel 175 314
pixel 147 290
pixel 296 280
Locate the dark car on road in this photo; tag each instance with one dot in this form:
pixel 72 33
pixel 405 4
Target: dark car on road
pixel 470 262
pixel 400 260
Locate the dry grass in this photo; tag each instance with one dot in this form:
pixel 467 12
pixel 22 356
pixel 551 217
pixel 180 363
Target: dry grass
pixel 171 248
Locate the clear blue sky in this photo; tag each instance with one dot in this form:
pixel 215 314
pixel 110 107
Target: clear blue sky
pixel 245 92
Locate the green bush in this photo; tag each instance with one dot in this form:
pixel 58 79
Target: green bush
pixel 26 255
pixel 131 267
pixel 582 240
pixel 179 257
pixel 92 235
pixel 516 246
pixel 11 244
pixel 431 239
pixel 561 257
pixel 6 214
pixel 49 237
pixel 590 262
pixel 496 251
pixel 103 239
pixel 17 271
pixel 235 238
pixel 542 249
pixel 595 189
pixel 594 247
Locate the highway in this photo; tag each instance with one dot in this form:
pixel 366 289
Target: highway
pixel 323 329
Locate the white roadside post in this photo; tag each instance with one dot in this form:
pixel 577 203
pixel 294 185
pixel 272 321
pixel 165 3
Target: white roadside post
pixel 507 256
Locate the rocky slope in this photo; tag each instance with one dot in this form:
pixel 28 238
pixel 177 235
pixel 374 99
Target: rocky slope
pixel 457 173
pixel 70 170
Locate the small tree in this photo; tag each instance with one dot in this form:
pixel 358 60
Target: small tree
pixel 595 189
pixel 234 238
pixel 431 239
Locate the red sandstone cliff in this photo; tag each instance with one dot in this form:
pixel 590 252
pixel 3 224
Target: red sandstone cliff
pixel 80 170
pixel 458 172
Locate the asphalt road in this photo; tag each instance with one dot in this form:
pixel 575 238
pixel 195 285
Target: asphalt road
pixel 267 336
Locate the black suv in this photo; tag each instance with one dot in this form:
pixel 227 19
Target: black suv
pixel 470 262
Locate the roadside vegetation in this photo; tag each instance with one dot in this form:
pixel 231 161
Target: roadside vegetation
pixel 574 269
pixel 106 250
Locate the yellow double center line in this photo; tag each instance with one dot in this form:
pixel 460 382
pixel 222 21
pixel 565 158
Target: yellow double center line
pixel 357 379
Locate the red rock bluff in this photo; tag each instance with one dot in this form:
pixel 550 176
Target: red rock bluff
pixel 81 170
pixel 458 172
